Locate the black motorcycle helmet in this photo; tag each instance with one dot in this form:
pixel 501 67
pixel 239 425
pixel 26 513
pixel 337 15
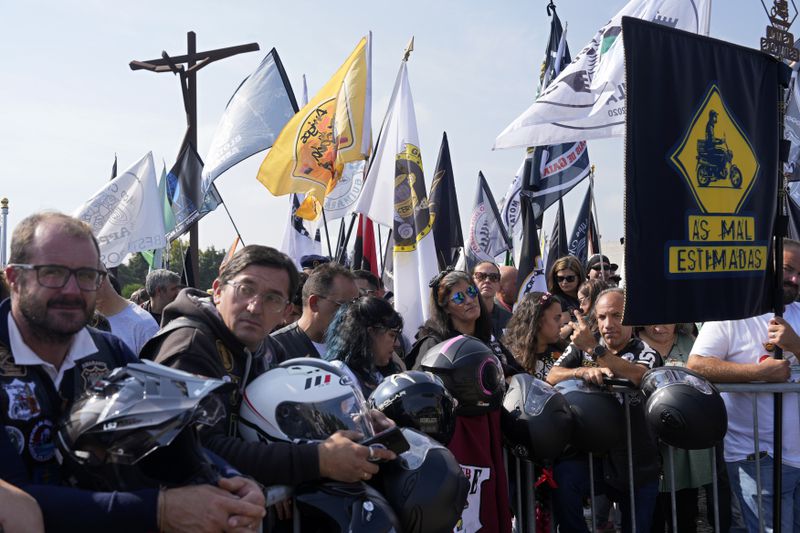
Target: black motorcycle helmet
pixel 598 417
pixel 684 409
pixel 536 419
pixel 470 371
pixel 418 400
pixel 137 429
pixel 425 485
pixel 335 507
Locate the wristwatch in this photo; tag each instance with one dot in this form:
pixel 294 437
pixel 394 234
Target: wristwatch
pixel 597 352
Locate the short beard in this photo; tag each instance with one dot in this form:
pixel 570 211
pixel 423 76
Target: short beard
pixel 790 293
pixel 35 314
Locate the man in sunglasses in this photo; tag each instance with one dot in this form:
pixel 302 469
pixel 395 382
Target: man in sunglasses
pixel 227 337
pixel 599 267
pixel 48 357
pixel 329 286
pixel 486 276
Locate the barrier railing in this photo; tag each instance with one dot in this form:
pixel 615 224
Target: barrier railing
pixel 524 504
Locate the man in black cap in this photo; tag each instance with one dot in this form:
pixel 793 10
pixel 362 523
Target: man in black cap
pixel 312 261
pixel 599 267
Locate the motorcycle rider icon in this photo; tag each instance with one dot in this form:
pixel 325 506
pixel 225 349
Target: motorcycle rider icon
pixel 715 159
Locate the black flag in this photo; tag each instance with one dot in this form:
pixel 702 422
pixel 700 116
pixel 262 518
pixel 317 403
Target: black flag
pixel 559 246
pixel 444 209
pixel 700 181
pixel 531 271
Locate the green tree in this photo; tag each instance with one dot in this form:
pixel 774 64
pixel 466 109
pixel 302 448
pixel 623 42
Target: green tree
pixel 134 272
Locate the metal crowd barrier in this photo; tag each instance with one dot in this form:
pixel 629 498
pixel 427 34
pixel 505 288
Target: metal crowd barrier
pixel 525 497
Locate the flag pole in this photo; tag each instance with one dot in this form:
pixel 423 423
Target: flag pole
pixel 341 250
pixel 4 234
pixel 383 259
pixel 236 229
pixel 380 244
pixel 596 221
pixel 325 218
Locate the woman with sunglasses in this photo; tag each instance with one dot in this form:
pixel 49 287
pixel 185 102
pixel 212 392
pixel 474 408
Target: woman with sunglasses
pixel 564 280
pixel 456 308
pixel 362 336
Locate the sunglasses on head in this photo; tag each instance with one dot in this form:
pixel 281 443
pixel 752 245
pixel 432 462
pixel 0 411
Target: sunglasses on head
pixel 461 296
pixel 491 276
pixel 568 279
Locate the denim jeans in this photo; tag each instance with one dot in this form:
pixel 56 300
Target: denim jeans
pixel 572 477
pixel 743 484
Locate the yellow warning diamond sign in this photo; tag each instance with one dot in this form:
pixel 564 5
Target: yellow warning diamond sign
pixel 716 158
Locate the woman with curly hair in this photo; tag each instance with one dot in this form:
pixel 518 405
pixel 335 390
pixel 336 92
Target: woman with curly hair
pixel 564 280
pixel 362 336
pixel 532 334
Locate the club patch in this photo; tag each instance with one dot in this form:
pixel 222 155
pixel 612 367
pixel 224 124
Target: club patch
pixel 16 438
pixel 22 402
pixel 40 442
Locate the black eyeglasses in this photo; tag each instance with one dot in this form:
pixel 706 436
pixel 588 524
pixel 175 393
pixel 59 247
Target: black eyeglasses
pixel 367 292
pixel 491 276
pixel 568 279
pixel 272 302
pixel 461 297
pixel 57 276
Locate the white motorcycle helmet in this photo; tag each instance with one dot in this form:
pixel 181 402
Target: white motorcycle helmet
pixel 302 400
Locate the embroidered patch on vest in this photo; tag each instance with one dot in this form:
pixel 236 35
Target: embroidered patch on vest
pixel 22 402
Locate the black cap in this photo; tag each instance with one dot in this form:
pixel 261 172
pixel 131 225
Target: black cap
pixel 595 260
pixel 313 260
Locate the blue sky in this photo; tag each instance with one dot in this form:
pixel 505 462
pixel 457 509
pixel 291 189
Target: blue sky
pixel 69 100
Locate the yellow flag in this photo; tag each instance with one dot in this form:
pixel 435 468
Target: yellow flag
pixel 331 130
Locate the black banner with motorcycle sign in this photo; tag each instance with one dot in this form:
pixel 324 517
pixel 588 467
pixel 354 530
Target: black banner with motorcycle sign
pixel 701 177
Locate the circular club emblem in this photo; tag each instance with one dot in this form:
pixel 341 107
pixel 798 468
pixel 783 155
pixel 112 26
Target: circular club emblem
pixel 40 441
pixel 16 438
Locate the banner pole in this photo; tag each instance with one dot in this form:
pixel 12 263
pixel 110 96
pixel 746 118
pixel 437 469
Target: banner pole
pixel 4 235
pixel 327 233
pixel 781 219
pixel 596 222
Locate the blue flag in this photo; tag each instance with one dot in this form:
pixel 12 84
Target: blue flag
pixel 255 115
pixel 183 192
pixel 583 241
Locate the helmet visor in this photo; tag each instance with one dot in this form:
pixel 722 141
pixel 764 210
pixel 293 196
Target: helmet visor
pixel 537 396
pixel 668 375
pixel 317 421
pixel 419 446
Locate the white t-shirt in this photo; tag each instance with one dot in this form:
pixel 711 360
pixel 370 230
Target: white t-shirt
pixel 742 341
pixel 134 326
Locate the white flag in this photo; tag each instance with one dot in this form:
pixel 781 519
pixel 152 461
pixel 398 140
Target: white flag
pixel 126 214
pixel 587 99
pixel 395 195
pixel 299 239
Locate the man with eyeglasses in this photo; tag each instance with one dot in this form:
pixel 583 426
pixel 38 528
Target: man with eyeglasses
pixel 227 337
pixel 48 357
pixel 486 276
pixel 328 287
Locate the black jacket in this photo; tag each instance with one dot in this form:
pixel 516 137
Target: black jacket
pixel 295 342
pixel 194 338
